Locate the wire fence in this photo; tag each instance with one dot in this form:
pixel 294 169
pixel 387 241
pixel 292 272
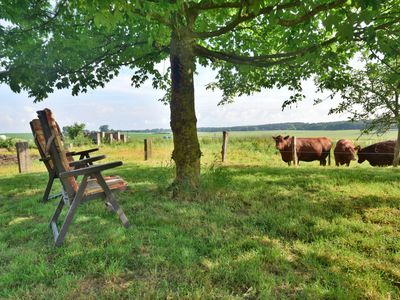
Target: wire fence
pixel 337 152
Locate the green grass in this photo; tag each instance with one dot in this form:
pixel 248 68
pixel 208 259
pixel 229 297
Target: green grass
pixel 333 134
pixel 257 230
pixel 22 136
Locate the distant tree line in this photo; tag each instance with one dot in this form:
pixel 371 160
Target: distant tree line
pixel 340 125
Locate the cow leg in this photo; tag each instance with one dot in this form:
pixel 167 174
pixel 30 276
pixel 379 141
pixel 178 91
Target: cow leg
pixel 289 163
pixel 337 164
pixel 348 164
pixel 322 162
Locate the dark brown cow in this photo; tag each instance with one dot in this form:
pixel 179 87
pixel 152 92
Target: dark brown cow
pixel 308 149
pixel 379 154
pixel 345 152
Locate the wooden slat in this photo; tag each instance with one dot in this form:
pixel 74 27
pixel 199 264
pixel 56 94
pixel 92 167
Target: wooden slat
pixel 147 149
pixel 224 145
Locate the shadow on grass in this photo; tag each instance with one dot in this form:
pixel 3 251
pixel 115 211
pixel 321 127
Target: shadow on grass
pixel 251 232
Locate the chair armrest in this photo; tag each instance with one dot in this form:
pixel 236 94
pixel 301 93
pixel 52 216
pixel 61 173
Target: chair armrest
pixel 45 159
pixel 86 161
pixel 90 170
pixel 73 153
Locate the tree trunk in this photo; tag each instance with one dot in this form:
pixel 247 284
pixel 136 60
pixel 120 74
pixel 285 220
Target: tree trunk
pixel 396 157
pixel 186 152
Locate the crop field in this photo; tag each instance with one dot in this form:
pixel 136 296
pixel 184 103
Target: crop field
pixel 257 229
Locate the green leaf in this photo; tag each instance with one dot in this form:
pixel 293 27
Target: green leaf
pixel 331 21
pixel 99 19
pixel 366 16
pixel 345 31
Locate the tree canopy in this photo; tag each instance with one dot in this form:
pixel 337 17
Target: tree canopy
pixel 74 130
pixel 370 94
pixel 81 44
pixel 104 128
pixel 251 44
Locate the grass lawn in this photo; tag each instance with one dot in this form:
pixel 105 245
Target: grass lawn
pixel 257 230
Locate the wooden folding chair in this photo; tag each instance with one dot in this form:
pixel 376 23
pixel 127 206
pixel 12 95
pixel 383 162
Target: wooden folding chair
pixel 93 184
pixel 84 158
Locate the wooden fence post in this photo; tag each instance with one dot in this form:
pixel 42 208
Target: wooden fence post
pixel 294 152
pixel 97 138
pixel 110 137
pixel 24 160
pixel 117 136
pixel 147 149
pixel 224 145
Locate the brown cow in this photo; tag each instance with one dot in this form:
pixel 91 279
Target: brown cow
pixel 308 149
pixel 379 154
pixel 345 152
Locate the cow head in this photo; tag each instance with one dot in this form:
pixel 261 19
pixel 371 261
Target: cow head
pixel 281 142
pixel 361 155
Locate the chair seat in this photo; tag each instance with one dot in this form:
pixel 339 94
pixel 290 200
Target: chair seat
pixel 113 182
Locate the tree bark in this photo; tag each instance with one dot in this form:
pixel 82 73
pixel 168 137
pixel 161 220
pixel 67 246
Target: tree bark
pixel 186 152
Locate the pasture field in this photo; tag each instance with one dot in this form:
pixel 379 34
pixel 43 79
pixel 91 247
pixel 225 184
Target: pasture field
pixel 335 135
pixel 257 229
pixel 22 136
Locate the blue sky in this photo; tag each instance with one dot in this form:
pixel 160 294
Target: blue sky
pixel 123 107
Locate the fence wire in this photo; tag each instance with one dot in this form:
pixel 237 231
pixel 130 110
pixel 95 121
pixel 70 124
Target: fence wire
pixel 341 152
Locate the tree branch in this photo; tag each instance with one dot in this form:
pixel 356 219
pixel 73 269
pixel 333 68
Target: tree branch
pixel 261 60
pixel 58 7
pixel 381 96
pixel 383 61
pixel 144 57
pixel 153 16
pixel 4 74
pixel 241 60
pixel 386 25
pixel 312 13
pixel 102 57
pixel 268 9
pixel 242 18
pixel 208 5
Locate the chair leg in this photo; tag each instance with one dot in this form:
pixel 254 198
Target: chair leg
pixel 54 219
pixel 67 221
pixel 60 235
pixel 109 206
pixel 111 199
pixel 48 187
pixel 118 210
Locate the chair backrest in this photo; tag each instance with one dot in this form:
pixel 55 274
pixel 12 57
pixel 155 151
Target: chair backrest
pixel 55 147
pixel 40 141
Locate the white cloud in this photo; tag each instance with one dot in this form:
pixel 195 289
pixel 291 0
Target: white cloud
pixel 6 119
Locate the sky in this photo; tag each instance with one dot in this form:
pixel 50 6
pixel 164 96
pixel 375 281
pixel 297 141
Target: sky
pixel 124 107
